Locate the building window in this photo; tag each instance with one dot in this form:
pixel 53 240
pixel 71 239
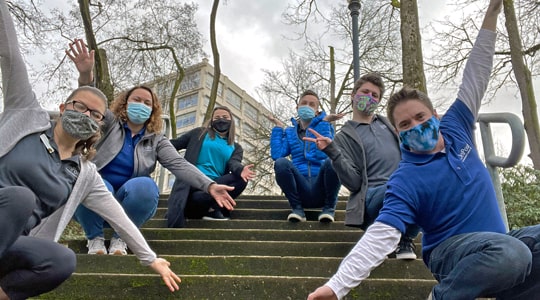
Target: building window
pixel 250 111
pixel 185 120
pixel 187 101
pixel 190 82
pixel 210 81
pixel 233 99
pixel 249 132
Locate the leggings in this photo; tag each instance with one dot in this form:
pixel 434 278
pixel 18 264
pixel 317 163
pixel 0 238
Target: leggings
pixel 29 266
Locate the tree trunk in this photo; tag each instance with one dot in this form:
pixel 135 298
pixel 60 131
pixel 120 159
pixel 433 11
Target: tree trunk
pixel 101 74
pixel 217 68
pixel 333 99
pixel 523 78
pixel 412 59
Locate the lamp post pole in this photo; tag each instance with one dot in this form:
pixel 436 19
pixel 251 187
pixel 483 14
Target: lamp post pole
pixel 354 7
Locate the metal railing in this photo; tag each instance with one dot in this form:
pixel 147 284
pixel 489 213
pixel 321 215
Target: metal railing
pixel 492 160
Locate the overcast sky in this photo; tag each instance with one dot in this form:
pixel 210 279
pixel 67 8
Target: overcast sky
pixel 251 34
pixel 250 38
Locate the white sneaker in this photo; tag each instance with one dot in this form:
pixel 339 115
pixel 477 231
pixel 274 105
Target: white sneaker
pixel 117 247
pixel 96 246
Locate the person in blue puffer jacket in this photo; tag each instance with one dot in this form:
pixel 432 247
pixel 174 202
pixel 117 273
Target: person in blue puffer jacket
pixel 307 179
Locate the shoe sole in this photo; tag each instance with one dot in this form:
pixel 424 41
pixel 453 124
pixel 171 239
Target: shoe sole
pixel 118 253
pixel 406 256
pixel 212 219
pixel 99 252
pixel 326 220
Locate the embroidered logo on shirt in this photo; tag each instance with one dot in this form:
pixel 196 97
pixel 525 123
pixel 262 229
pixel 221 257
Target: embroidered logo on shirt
pixel 73 171
pixel 464 152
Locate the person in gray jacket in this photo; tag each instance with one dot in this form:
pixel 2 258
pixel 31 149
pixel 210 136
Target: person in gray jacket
pixel 364 155
pixel 127 154
pixel 46 173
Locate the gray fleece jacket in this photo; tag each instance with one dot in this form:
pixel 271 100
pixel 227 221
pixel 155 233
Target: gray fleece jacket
pixel 23 116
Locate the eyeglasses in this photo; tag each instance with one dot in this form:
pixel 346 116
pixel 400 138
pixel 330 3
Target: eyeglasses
pixel 82 108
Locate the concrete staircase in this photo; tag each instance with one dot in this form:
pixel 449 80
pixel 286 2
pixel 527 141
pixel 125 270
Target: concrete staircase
pixel 256 255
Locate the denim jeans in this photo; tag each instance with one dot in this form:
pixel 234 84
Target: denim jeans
pixel 308 192
pixel 138 196
pixel 374 203
pixel 486 264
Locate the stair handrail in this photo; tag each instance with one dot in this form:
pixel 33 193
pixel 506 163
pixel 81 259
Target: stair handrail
pixel 492 160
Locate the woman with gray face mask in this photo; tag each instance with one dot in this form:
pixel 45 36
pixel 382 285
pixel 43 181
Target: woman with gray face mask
pixel 131 146
pixel 45 175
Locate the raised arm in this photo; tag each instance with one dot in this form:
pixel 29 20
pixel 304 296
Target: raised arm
pixel 83 60
pixel 15 84
pixel 480 63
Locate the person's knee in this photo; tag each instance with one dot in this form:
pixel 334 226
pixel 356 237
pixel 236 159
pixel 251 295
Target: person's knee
pixel 282 164
pixel 515 262
pixel 24 201
pixel 64 262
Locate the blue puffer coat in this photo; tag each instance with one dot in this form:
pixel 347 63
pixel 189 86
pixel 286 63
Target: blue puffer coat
pixel 305 155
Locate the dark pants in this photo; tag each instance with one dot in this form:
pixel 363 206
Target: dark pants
pixel 29 266
pixel 302 192
pixel 199 202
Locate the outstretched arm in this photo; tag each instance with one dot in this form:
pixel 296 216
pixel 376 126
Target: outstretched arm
pixel 378 241
pixel 15 84
pixel 480 63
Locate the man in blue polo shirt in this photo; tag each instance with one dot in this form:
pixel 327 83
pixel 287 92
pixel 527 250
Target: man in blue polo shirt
pixel 442 185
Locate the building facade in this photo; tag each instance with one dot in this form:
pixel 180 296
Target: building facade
pixel 252 125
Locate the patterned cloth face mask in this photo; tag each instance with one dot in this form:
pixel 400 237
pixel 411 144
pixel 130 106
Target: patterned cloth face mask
pixel 422 137
pixel 306 113
pixel 78 125
pixel 138 113
pixel 365 103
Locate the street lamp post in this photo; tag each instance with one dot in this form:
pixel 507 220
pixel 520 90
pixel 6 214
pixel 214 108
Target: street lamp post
pixel 354 7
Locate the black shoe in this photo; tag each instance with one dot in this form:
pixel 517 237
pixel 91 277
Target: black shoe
pixel 215 215
pixel 405 249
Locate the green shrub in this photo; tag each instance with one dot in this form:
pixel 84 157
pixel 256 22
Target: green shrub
pixel 521 191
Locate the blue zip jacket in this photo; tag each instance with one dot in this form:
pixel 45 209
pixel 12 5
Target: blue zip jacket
pixel 305 155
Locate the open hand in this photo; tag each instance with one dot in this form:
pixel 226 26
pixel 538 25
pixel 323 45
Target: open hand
pixel 83 60
pixel 161 266
pixel 276 121
pixel 333 117
pixel 322 293
pixel 220 193
pixel 247 173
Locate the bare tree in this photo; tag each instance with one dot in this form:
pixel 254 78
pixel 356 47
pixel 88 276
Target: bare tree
pixel 215 54
pixel 518 65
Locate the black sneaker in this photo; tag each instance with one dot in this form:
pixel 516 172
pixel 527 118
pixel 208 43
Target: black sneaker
pixel 215 215
pixel 405 249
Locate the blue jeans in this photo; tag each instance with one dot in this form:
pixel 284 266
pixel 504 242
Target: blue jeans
pixel 374 203
pixel 138 196
pixel 486 264
pixel 308 192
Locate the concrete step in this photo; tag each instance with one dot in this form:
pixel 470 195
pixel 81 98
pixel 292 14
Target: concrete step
pixel 266 214
pixel 260 204
pixel 228 287
pixel 248 265
pixel 248 234
pixel 252 224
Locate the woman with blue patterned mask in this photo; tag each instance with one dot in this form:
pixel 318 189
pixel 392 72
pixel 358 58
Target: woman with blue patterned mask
pixel 131 147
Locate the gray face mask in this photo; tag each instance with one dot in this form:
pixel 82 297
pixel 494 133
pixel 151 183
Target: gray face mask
pixel 78 125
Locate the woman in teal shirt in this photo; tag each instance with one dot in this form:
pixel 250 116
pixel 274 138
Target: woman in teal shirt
pixel 214 152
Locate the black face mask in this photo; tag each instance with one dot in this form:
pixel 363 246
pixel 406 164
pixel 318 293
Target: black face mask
pixel 221 125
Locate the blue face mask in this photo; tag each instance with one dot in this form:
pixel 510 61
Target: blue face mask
pixel 138 113
pixel 365 103
pixel 306 113
pixel 422 137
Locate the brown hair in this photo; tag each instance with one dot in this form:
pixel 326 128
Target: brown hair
pixel 85 148
pixel 212 132
pixel 119 108
pixel 404 95
pixel 374 78
pixel 307 93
